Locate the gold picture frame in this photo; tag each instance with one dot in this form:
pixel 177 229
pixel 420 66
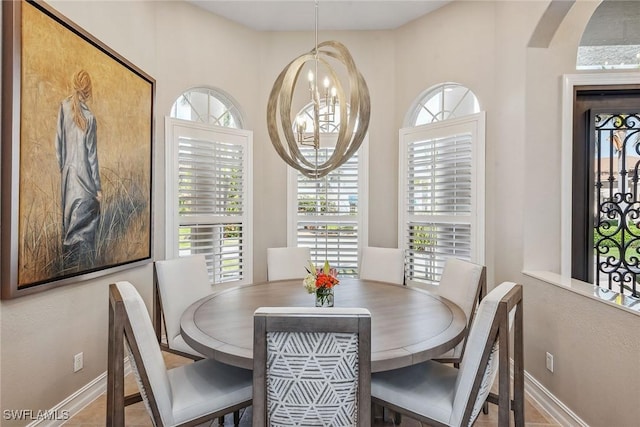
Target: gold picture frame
pixel 77 148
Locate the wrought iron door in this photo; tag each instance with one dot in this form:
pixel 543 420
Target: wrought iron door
pixel 615 141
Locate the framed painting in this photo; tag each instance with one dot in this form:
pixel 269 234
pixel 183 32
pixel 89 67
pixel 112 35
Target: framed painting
pixel 77 147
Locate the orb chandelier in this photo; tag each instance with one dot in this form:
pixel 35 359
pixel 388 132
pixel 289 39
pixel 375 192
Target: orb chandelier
pixel 353 111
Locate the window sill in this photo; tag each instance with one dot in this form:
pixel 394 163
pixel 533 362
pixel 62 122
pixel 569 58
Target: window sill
pixel 606 296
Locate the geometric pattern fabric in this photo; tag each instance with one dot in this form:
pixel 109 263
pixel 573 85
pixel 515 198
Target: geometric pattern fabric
pixel 312 379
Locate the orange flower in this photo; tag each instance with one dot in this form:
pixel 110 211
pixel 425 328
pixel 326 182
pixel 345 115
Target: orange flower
pixel 325 281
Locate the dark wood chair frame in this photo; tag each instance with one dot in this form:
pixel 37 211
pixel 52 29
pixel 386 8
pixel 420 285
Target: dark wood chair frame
pixel 499 331
pixel 264 323
pixel 120 329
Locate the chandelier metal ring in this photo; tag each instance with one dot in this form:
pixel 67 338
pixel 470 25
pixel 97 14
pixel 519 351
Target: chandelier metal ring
pixel 353 123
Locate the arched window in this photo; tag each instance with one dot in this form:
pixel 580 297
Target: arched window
pixel 441 204
pixel 611 39
pixel 328 214
pixel 206 105
pixel 442 102
pixel 209 162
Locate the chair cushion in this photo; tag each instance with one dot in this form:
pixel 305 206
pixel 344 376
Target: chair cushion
pixel 207 386
pixel 179 344
pixel 426 389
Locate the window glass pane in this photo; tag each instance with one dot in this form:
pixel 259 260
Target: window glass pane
pixel 333 237
pixel 328 209
pixel 430 244
pixel 611 39
pixel 336 193
pixel 210 177
pixel 336 242
pixel 206 105
pixel 439 176
pixel 442 102
pixel 220 243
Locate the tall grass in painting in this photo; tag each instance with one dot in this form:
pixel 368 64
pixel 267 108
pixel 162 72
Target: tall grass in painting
pixel 123 231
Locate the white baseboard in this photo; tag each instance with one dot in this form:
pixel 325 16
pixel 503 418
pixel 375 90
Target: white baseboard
pixel 77 401
pixel 551 404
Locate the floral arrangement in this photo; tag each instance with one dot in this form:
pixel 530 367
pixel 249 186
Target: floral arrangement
pixel 321 282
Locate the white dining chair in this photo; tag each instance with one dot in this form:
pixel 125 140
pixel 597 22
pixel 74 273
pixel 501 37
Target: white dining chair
pixel 382 264
pixel 180 282
pixel 439 394
pixel 287 263
pixel 463 283
pixel 311 367
pixel 184 396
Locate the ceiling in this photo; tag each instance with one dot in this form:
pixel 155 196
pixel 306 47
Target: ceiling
pixel 299 15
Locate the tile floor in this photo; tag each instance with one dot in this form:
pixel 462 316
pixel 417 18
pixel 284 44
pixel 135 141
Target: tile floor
pixel 136 415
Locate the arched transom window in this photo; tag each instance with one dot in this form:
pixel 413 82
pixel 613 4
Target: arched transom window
pixel 205 105
pixel 443 102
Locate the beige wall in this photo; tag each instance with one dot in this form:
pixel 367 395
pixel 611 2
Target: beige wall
pixel 595 346
pixel 482 45
pixel 39 334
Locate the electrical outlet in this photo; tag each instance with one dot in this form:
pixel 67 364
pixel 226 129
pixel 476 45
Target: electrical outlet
pixel 78 362
pixel 550 361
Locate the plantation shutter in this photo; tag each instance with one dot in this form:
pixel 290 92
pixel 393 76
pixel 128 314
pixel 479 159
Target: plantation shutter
pixel 213 169
pixel 440 196
pixel 328 212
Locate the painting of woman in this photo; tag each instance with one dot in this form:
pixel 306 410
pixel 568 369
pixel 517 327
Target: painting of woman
pixel 77 153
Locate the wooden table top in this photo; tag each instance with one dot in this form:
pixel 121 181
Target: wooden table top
pixel 408 325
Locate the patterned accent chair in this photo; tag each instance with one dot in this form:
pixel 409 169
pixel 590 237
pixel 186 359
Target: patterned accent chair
pixel 439 394
pixel 312 366
pixel 184 396
pixel 382 264
pixel 287 263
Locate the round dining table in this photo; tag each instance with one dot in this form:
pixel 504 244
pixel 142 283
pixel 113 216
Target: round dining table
pixel 408 325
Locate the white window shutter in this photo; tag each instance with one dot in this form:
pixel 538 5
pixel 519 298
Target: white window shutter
pixel 209 202
pixel 329 215
pixel 441 195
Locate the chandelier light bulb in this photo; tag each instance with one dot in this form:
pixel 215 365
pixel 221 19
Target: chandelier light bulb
pixel 301 124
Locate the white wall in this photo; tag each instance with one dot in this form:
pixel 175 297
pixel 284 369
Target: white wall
pixel 482 45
